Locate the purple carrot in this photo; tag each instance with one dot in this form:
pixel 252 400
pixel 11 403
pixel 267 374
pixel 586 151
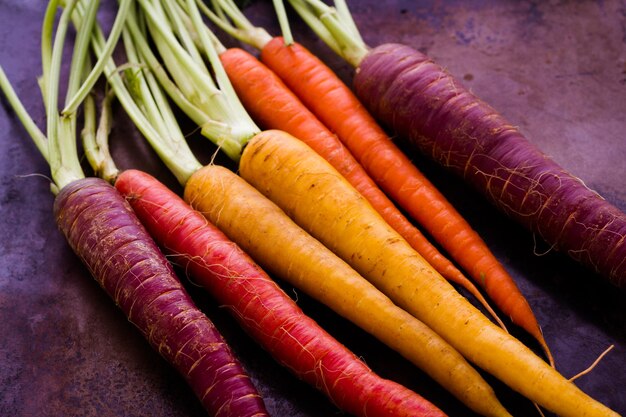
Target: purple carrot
pixel 419 100
pixel 104 232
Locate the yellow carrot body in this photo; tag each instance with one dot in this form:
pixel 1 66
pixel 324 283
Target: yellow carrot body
pixel 316 197
pixel 265 232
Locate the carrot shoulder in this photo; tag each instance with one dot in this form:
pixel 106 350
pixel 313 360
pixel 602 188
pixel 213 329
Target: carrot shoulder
pixel 262 308
pixel 282 167
pixel 339 109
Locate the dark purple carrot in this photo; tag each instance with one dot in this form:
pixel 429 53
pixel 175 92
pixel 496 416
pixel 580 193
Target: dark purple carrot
pixel 421 101
pixel 104 232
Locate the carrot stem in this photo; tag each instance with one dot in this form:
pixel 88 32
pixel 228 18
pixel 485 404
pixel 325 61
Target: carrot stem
pixel 96 71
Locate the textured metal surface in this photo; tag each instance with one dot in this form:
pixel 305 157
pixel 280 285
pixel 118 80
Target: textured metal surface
pixel 556 69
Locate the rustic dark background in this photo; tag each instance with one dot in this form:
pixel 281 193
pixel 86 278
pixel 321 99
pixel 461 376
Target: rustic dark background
pixel 557 69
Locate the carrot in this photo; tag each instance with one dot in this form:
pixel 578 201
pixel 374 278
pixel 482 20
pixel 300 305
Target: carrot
pixel 345 291
pixel 337 107
pixel 274 106
pixel 421 101
pixel 261 308
pixel 102 230
pixel 341 219
pixel 105 234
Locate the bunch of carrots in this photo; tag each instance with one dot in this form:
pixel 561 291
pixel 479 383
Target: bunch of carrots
pixel 320 198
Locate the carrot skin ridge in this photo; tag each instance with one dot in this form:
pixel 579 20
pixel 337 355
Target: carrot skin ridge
pixel 424 103
pixel 103 231
pixel 271 104
pixel 339 109
pixel 282 168
pixel 263 309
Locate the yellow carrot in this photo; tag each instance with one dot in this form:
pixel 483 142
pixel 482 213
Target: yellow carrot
pixel 264 231
pixel 288 171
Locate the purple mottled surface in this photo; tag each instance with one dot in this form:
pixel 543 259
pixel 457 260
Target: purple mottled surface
pixel 557 70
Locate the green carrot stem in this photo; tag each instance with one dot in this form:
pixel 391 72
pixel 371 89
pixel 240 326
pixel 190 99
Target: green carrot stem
pixel 283 21
pixel 231 125
pixel 335 26
pixel 63 157
pixel 97 69
pixel 145 105
pixel 81 50
pixel 231 20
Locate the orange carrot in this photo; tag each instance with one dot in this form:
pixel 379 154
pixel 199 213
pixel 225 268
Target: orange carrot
pixel 274 106
pixel 334 104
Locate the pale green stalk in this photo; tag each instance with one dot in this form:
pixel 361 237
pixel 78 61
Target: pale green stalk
pixel 335 26
pixel 346 17
pixel 188 43
pixel 232 21
pixel 47 29
pixel 209 92
pixel 179 159
pixel 97 69
pixel 96 138
pixel 194 113
pixel 88 133
pixel 283 21
pixel 63 156
pixel 81 50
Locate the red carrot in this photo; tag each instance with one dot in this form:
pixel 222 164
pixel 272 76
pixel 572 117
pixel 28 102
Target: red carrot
pixel 262 308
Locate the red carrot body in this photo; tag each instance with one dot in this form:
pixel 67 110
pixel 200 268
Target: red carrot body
pixel 262 308
pixel 419 100
pixel 337 107
pixel 102 229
